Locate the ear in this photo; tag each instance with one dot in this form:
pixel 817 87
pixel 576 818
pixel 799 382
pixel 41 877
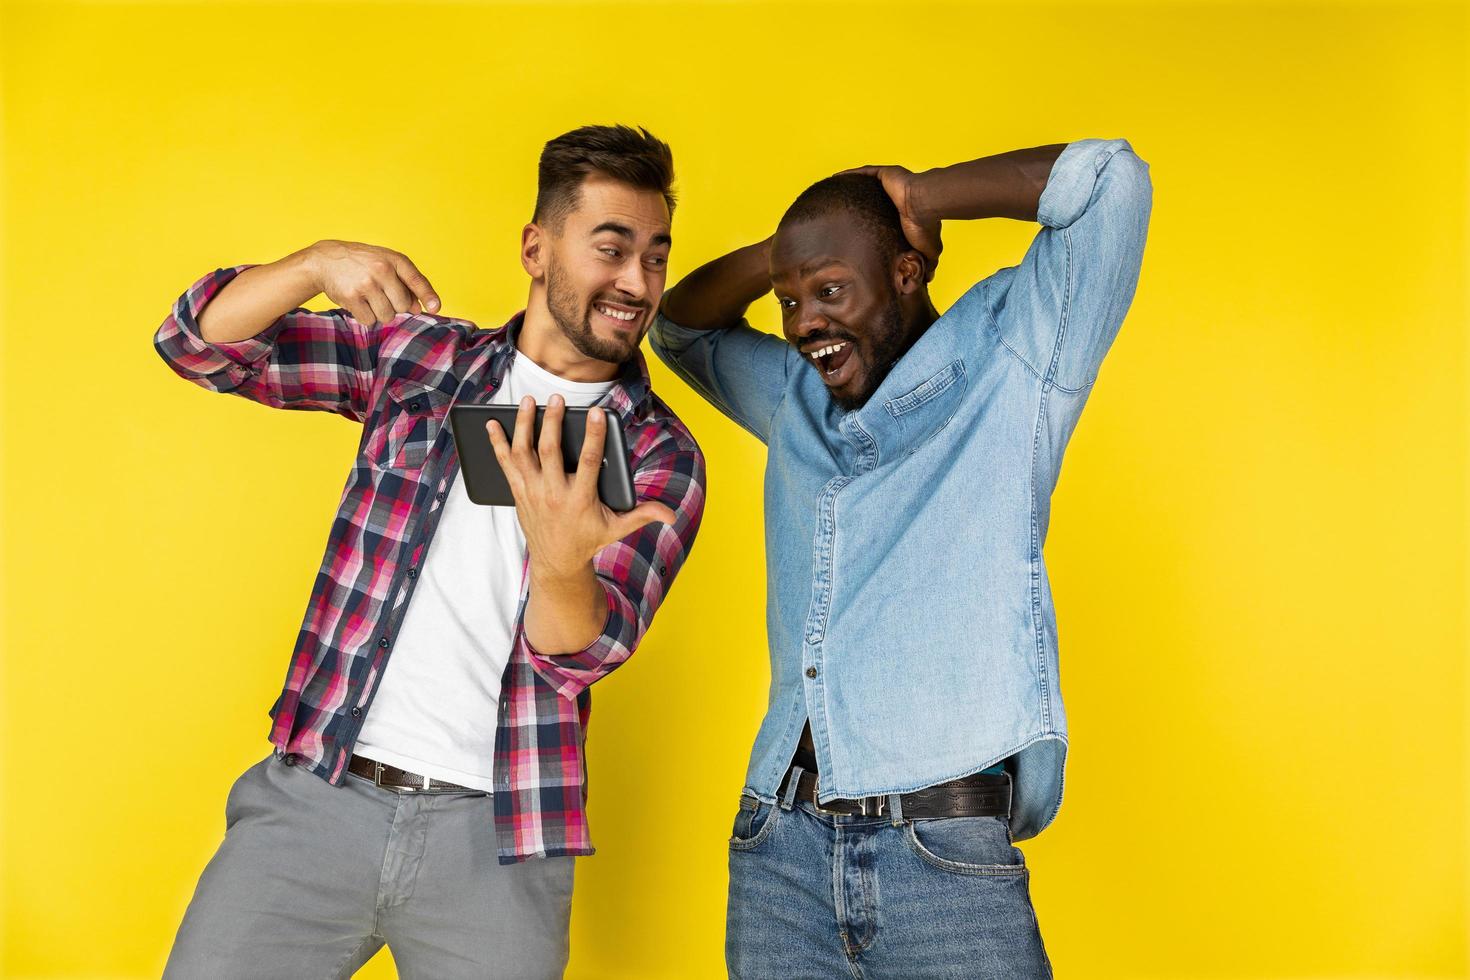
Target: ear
pixel 908 272
pixel 533 246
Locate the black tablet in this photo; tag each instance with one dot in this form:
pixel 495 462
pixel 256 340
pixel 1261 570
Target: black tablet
pixel 484 480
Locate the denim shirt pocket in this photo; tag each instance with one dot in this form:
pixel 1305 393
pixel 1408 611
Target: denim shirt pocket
pixel 925 410
pixel 406 425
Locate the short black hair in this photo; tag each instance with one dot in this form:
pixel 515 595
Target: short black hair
pixel 860 195
pixel 633 156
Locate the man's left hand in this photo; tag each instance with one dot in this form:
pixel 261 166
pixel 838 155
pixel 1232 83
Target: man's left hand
pixel 564 520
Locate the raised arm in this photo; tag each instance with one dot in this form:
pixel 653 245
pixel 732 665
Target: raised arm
pixel 372 284
pixel 702 335
pixel 1061 308
pixel 1005 185
pixel 716 295
pixel 239 330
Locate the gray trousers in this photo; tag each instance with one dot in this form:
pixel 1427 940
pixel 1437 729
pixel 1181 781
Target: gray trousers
pixel 312 879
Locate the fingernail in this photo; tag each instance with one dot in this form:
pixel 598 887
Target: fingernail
pixel 595 415
pixel 432 304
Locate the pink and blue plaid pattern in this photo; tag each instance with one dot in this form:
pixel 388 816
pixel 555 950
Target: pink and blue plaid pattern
pixel 399 379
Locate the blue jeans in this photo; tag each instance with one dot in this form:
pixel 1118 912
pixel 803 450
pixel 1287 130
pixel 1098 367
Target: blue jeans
pixel 877 898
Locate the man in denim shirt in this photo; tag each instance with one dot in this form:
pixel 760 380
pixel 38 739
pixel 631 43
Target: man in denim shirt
pixel 915 729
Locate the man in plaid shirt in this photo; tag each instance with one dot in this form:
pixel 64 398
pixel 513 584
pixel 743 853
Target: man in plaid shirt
pixel 429 738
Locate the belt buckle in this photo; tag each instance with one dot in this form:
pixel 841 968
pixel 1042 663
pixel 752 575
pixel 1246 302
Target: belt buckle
pixel 862 804
pixel 377 774
pixel 817 801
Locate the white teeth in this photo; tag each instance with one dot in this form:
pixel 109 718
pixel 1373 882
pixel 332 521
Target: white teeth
pixel 616 314
pixel 828 350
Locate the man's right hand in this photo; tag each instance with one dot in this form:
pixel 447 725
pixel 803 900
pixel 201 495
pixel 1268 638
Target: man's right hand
pixel 372 283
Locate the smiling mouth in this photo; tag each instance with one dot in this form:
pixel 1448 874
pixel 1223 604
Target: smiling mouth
pixel 832 362
pixel 619 315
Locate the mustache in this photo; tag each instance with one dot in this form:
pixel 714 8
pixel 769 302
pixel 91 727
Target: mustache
pixel 631 303
pixel 825 339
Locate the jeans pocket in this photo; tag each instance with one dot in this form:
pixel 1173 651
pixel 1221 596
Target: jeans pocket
pixel 966 845
pixel 754 822
pixel 234 800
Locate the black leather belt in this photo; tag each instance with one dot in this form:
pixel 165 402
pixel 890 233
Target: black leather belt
pixel 980 795
pixel 383 774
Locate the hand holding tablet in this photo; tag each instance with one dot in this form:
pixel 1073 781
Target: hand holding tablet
pixel 564 470
pixel 485 477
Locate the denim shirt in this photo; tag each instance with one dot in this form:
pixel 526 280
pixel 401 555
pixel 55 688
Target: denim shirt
pixel 908 609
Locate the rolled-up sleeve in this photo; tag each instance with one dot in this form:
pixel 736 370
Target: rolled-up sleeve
pixel 740 370
pixel 635 572
pixel 322 361
pixel 1062 309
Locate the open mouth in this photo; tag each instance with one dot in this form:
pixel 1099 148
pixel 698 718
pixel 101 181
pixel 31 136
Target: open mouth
pixel 621 317
pixel 834 363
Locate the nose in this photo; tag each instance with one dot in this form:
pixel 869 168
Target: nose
pixel 809 322
pixel 632 282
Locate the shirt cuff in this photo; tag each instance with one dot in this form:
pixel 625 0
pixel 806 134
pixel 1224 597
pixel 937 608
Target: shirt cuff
pixel 202 358
pixel 1073 177
pixel 669 336
pixel 573 673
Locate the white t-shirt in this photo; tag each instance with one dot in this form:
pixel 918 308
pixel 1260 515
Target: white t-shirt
pixel 435 711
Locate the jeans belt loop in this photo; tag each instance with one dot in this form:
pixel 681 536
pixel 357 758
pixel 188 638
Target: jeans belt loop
pixel 895 809
pixel 793 777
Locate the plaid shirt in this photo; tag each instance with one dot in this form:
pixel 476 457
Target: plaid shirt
pixel 399 379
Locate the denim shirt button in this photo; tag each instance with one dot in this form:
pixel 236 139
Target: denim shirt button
pixel 811 672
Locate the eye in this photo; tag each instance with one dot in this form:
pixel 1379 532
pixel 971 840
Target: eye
pixel 786 303
pixel 609 251
pixel 826 291
pixel 658 261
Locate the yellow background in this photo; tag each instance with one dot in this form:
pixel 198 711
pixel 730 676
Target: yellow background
pixel 1259 545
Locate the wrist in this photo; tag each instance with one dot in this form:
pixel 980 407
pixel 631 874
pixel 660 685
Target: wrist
pixel 559 574
pixel 919 197
pixel 306 264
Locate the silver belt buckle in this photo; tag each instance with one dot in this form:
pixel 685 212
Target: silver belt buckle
pixel 862 804
pixel 377 774
pixel 817 801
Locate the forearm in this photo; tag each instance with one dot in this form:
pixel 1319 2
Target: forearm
pixel 565 612
pixel 716 295
pixel 259 296
pixel 1007 185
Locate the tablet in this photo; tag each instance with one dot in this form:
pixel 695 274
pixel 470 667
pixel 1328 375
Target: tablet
pixel 484 480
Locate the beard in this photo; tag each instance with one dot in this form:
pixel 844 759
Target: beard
pixel 890 340
pixel 575 321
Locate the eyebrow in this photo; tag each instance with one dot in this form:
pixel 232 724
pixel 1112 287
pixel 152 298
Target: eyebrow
pixel 623 231
pixel 816 265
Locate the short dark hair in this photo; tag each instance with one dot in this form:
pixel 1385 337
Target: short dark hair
pixel 633 156
pixel 860 195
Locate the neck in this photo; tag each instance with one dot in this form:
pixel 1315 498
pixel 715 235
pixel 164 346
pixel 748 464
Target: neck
pixel 920 317
pixel 544 342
